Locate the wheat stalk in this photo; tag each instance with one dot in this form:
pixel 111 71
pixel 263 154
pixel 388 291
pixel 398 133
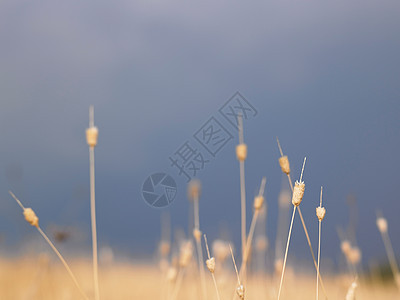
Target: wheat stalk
pixel 211 267
pixel 351 292
pixel 185 256
pixel 33 220
pixel 258 203
pixel 91 138
pixel 240 287
pixel 297 197
pixel 285 166
pixel 382 225
pixel 194 189
pixel 320 211
pixel 241 154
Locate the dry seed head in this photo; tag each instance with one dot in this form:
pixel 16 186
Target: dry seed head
pixel 284 163
pixel 354 255
pixel 194 189
pixel 31 217
pixel 351 293
pixel 91 136
pixel 197 234
pixel 320 212
pixel 258 202
pixel 164 248
pixel 185 254
pixel 278 266
pixel 240 291
pixel 211 264
pixel 241 152
pixel 345 246
pixel 298 193
pixel 382 224
pixel 221 250
pixel 171 274
pixel 261 243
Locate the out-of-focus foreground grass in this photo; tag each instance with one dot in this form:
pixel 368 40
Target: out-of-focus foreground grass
pixel 45 278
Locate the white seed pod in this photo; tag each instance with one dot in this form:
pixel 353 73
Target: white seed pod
pixel 240 291
pixel 194 189
pixel 171 274
pixel 284 163
pixel 382 224
pixel 91 136
pixel 31 217
pixel 211 264
pixel 197 234
pixel 351 292
pixel 298 193
pixel 258 202
pixel 345 246
pixel 241 152
pixel 185 254
pixel 320 211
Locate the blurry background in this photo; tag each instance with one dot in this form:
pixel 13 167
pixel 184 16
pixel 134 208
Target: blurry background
pixel 323 76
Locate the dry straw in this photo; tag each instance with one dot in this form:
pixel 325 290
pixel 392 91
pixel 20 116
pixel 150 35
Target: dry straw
pixel 240 288
pixel 33 220
pixel 241 154
pixel 185 257
pixel 320 212
pixel 194 190
pixel 382 225
pixel 210 262
pixel 91 138
pixel 257 205
pixel 284 163
pixel 352 253
pixel 296 200
pixel 351 292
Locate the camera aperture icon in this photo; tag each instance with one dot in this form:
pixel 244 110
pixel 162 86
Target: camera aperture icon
pixel 159 190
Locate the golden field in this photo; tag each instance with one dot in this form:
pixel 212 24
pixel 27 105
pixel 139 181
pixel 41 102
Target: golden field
pixel 44 278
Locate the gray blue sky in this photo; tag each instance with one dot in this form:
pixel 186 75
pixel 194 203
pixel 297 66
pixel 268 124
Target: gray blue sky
pixel 323 76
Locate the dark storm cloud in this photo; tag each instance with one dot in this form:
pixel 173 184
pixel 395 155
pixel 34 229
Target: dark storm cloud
pixel 323 77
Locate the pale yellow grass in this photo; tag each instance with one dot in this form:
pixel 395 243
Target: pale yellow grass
pixel 45 278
